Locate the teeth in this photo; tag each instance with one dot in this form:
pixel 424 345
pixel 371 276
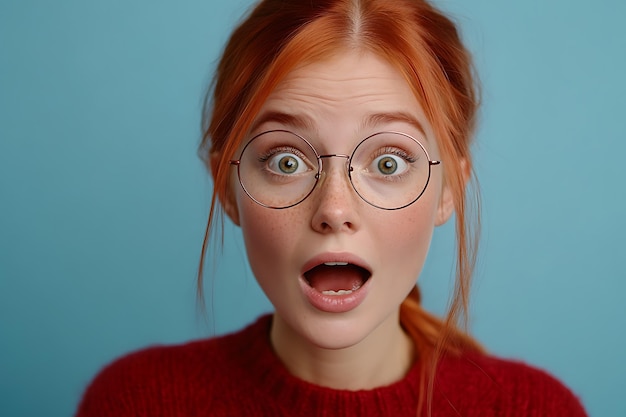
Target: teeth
pixel 335 263
pixel 340 292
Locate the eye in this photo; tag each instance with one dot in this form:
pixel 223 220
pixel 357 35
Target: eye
pixel 286 163
pixel 390 164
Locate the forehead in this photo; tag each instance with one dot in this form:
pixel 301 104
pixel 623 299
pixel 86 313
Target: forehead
pixel 354 76
pixel 349 88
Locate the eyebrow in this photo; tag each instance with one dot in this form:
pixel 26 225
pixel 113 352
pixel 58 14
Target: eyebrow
pixel 293 120
pixel 304 122
pixel 392 117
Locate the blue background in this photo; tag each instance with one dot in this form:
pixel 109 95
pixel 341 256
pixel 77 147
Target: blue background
pixel 103 200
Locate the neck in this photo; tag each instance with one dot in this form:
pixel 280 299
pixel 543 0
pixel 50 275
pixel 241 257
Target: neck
pixel 383 357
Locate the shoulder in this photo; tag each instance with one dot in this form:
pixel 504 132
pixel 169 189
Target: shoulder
pixel 169 380
pixel 506 385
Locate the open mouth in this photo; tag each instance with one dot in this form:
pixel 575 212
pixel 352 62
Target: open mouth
pixel 337 278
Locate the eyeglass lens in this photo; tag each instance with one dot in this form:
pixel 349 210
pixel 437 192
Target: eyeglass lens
pixel 279 169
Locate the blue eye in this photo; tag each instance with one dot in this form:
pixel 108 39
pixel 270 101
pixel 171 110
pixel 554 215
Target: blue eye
pixel 287 163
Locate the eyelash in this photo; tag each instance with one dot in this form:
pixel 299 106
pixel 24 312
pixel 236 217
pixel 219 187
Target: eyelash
pixel 395 151
pixel 264 157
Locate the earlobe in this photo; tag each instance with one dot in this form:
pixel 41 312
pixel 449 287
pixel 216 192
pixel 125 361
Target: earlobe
pixel 227 199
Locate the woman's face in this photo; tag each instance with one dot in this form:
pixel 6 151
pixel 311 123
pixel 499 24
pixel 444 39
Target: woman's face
pixel 299 254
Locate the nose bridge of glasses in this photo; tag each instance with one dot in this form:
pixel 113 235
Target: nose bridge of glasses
pixel 324 167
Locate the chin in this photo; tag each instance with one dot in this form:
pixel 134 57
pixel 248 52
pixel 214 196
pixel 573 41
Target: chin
pixel 338 331
pixel 336 337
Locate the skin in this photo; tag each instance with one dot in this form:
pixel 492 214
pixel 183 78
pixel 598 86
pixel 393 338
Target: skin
pixel 364 347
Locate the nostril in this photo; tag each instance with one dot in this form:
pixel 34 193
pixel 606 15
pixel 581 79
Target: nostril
pixel 329 227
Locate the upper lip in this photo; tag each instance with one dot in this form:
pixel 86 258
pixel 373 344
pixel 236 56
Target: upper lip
pixel 335 257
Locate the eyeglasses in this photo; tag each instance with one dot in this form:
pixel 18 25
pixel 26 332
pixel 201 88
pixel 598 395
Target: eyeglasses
pixel 279 169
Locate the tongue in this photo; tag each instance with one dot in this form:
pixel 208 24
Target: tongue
pixel 335 278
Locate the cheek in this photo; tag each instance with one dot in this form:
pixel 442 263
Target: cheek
pixel 408 237
pixel 269 235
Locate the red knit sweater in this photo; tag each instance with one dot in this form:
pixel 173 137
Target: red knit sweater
pixel 239 375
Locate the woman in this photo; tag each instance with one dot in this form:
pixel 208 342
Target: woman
pixel 338 137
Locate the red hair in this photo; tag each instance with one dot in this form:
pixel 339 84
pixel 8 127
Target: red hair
pixel 424 46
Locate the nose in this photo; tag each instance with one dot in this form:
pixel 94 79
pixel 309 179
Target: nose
pixel 334 199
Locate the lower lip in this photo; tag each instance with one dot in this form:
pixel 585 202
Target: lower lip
pixel 334 303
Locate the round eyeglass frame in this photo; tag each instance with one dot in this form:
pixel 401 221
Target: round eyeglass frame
pixel 320 168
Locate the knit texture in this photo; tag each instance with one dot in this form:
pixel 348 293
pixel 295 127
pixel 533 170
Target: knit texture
pixel 239 375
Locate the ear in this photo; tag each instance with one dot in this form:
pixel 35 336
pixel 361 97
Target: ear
pixel 446 205
pixel 446 201
pixel 229 202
